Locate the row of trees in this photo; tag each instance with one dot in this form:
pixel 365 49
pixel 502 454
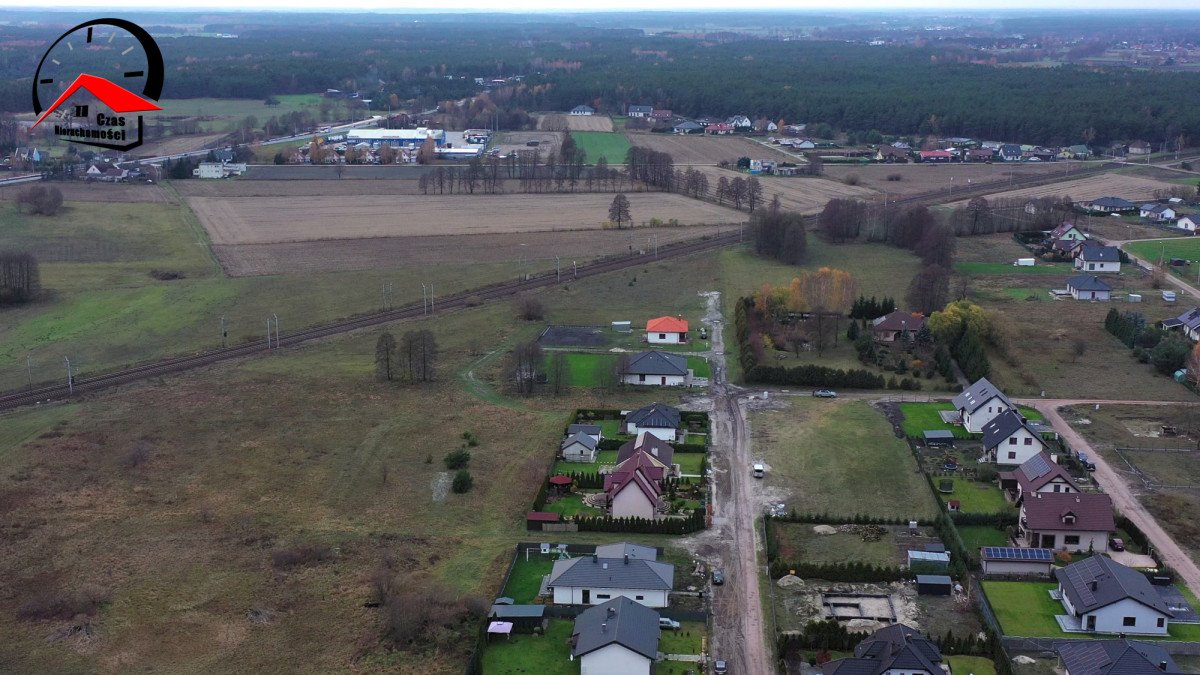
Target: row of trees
pixel 779 234
pixel 20 280
pixel 964 327
pixel 1167 351
pixel 740 191
pixel 413 360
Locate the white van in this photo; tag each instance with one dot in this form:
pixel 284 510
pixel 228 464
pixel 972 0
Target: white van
pixel 759 470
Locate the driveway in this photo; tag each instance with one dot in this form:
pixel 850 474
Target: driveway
pixel 1123 498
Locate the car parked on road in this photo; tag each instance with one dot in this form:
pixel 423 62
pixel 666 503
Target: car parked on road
pixel 720 667
pixel 825 393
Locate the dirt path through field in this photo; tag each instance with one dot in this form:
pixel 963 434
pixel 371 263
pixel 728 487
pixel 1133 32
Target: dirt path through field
pixel 1116 487
pixel 739 635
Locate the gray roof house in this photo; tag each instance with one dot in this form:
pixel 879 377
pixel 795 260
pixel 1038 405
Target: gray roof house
pixel 979 404
pixel 617 636
pixel 1009 432
pixel 592 430
pixel 640 110
pixel 1189 322
pixel 1089 287
pixel 593 580
pixel 657 363
pixel 583 110
pixel 687 127
pixel 1111 204
pixel 1108 597
pixel 1098 253
pixel 656 415
pixel 579 447
pixel 896 648
pixel 1116 657
pixel 622 549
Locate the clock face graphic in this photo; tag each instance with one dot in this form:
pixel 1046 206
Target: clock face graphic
pixel 118 64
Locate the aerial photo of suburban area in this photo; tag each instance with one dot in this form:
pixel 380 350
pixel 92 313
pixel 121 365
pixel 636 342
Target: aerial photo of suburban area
pixel 672 339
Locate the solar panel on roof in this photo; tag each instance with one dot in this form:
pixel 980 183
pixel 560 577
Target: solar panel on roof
pixel 1036 467
pixel 1011 553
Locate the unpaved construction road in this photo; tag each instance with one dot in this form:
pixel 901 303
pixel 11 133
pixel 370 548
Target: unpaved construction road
pixel 740 630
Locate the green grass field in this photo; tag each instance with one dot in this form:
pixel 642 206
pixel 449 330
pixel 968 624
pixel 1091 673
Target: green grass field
pixel 1025 609
pixel 971 665
pixel 699 366
pixel 976 536
pixel 231 112
pixel 610 145
pixel 922 417
pixel 974 497
pixel 571 505
pixel 1151 251
pixel 603 457
pixel 686 640
pixel 840 458
pixel 589 370
pixel 526 578
pixel 981 268
pixel 546 654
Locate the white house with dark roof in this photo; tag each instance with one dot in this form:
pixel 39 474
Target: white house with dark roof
pixel 1111 205
pixel 583 110
pixel 1115 657
pixel 897 649
pixel 593 580
pixel 979 403
pixel 1066 231
pixel 1097 258
pixel 1009 439
pixel 1076 522
pixel 622 549
pixel 618 637
pixel 1188 222
pixel 579 447
pixel 1039 473
pixel 1159 213
pixel 640 111
pixel 1089 287
pixel 658 369
pixel 1103 596
pixel 1188 323
pixel 593 430
pixel 658 419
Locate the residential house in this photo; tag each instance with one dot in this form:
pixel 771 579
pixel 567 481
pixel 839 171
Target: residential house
pixel 593 430
pixel 579 447
pixel 667 330
pixel 583 110
pixel 1039 473
pixel 657 419
pixel 897 325
pixel 1076 152
pixel 1115 657
pixel 1111 205
pixel 639 111
pixel 771 126
pixel 621 550
pixel 595 579
pixel 218 169
pixel 891 155
pixel 740 123
pixel 803 144
pixel 634 489
pixel 1066 231
pixel 1010 152
pixel 980 155
pixel 654 368
pixel 719 129
pixel 1188 322
pixel 93 171
pixel 662 115
pixel 1076 522
pixel 1066 248
pixel 1139 148
pixel 897 649
pixel 656 448
pixel 1088 287
pixel 979 404
pixel 935 156
pixel 1104 596
pixel 1096 258
pixel 1009 439
pixel 1188 223
pixel 1159 213
pixel 687 127
pixel 618 637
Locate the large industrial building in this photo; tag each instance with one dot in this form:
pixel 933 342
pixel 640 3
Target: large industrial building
pixel 401 137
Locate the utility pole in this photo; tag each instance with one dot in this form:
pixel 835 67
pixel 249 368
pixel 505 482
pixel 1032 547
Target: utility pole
pixel 424 301
pixel 656 246
pixel 268 333
pixel 575 265
pixel 431 297
pixel 558 267
pixel 29 370
pixel 70 377
pixel 387 292
pixel 276 330
pixel 224 333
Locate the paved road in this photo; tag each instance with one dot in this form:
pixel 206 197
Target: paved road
pixel 740 626
pixel 1117 488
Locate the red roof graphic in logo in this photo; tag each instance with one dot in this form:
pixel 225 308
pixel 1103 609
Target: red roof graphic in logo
pixel 114 96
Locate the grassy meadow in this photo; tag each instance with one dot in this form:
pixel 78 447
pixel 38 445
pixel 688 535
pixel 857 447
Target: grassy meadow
pixel 612 146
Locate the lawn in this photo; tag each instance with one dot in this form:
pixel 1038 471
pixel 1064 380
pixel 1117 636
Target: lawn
pixel 547 654
pixel 699 366
pixel 992 268
pixel 975 537
pixel 1025 609
pixel 596 144
pixel 590 370
pixel 689 462
pixel 602 457
pixel 1187 248
pixel 799 543
pixel 974 497
pixel 571 505
pixel 921 417
pixel 840 458
pixel 686 640
pixel 971 665
pixel 526 578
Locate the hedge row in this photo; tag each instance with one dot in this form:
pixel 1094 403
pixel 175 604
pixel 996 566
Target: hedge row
pixel 693 523
pixel 833 636
pixel 998 520
pixel 850 572
pixel 815 376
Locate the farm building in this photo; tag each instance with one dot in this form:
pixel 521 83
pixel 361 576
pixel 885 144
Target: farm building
pixel 400 137
pixel 1076 522
pixel 619 637
pixel 1012 561
pixel 216 170
pixel 583 110
pixel 667 330
pixel 656 368
pixel 1088 287
pixel 1103 596
pixel 592 580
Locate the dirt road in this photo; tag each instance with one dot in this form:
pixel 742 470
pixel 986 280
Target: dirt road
pixel 740 628
pixel 1118 489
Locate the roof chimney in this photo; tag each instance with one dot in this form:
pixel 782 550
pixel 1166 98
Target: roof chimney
pixel 612 611
pixel 595 558
pixel 626 558
pixel 1162 665
pixel 1094 584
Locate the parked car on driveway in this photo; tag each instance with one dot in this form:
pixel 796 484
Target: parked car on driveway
pixel 825 393
pixel 670 624
pixel 1116 544
pixel 718 578
pixel 720 667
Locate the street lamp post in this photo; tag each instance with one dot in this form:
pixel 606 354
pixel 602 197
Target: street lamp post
pixel 70 377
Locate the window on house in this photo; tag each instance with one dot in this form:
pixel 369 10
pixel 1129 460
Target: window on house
pixel 1012 455
pixel 1162 623
pixel 1028 441
pixel 1129 621
pixel 662 336
pixel 603 596
pixel 1071 540
pixel 641 378
pixel 1012 441
pixel 1055 488
pixel 640 597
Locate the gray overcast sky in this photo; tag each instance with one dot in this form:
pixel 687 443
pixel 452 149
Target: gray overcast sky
pixel 618 5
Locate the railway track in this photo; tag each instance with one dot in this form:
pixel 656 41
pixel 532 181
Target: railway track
pixel 48 393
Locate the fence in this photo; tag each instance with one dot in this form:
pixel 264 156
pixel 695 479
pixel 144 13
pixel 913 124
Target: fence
pixel 1025 644
pixel 985 608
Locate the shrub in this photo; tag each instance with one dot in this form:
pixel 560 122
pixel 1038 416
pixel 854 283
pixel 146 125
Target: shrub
pixel 462 482
pixel 852 179
pixel 470 438
pixel 530 309
pixel 305 554
pixel 457 459
pixel 895 177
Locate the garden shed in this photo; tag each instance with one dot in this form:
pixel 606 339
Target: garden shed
pixel 523 618
pixel 934 584
pixel 938 438
pixel 928 560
